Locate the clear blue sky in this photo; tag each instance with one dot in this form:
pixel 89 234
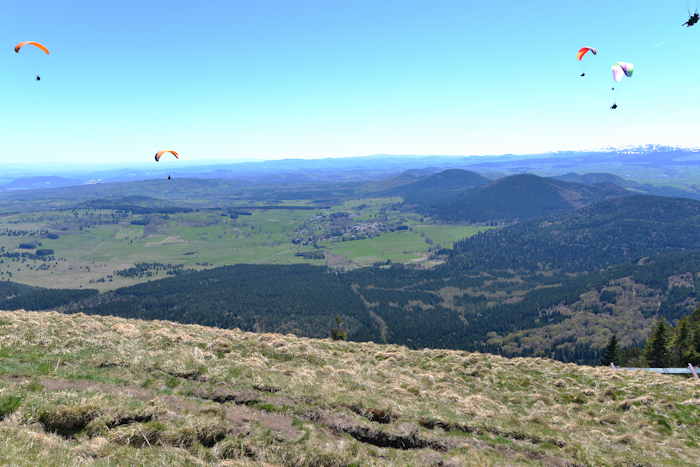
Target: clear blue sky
pixel 272 79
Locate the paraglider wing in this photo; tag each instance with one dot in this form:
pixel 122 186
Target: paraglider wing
pixel 617 72
pixel 35 44
pixel 159 154
pixel 584 50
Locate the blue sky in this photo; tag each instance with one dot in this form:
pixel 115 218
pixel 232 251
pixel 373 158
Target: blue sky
pixel 276 79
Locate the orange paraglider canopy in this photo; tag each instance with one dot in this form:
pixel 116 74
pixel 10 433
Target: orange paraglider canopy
pixel 159 154
pixel 584 50
pixel 35 44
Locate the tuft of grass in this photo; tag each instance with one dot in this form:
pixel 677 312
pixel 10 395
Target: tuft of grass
pixel 67 420
pixel 8 404
pixel 33 386
pixel 172 382
pixel 138 435
pixel 267 407
pixel 235 448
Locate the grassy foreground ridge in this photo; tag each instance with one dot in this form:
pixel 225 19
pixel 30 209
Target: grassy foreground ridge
pixel 96 390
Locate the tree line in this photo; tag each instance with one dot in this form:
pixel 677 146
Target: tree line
pixel 667 346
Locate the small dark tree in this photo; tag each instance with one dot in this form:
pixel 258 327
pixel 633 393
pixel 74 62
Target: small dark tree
pixel 632 356
pixel 338 333
pixel 682 344
pixel 694 322
pixel 657 350
pixel 611 354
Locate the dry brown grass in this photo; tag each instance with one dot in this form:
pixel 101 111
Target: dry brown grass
pixel 108 390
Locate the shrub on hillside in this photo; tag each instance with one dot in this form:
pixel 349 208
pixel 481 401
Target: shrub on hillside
pixel 338 333
pixel 8 404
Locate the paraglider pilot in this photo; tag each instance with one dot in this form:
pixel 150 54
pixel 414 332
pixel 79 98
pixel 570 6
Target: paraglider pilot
pixel 692 21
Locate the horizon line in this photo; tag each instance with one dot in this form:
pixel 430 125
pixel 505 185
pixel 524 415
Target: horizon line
pixel 236 161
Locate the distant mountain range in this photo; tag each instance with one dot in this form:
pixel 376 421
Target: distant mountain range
pixel 35 183
pixel 646 188
pixel 453 195
pixel 670 165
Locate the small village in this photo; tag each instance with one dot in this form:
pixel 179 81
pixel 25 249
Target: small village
pixel 343 226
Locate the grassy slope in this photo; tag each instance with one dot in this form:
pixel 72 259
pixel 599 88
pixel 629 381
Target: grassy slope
pixel 78 389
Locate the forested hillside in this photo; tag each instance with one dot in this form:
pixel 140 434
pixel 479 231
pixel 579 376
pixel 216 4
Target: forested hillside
pixel 300 299
pixel 668 346
pixel 519 197
pixel 439 188
pixel 611 232
pixel 14 296
pixel 569 318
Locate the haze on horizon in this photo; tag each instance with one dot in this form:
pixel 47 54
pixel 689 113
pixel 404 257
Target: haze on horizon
pixel 280 79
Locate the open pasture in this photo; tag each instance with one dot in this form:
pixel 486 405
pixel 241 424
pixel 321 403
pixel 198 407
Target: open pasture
pixel 88 247
pixel 445 235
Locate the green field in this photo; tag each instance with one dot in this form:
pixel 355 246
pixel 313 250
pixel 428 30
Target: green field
pixel 395 246
pixel 446 235
pixel 95 243
pixel 402 247
pixel 193 239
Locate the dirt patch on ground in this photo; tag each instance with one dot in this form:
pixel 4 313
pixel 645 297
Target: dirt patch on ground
pixel 134 392
pixel 222 395
pixel 238 414
pixel 279 423
pixel 402 437
pixel 514 435
pixel 337 261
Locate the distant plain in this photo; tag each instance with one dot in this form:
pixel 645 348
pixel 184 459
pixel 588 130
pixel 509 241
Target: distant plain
pixel 93 244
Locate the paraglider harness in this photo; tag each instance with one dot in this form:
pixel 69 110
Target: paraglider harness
pixel 693 20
